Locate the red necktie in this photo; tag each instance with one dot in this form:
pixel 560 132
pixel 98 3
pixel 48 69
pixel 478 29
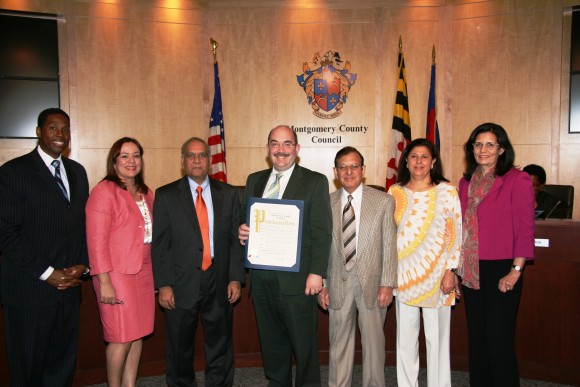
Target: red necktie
pixel 201 211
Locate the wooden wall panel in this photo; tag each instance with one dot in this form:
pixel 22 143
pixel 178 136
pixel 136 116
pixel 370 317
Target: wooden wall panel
pixel 419 31
pixel 500 77
pixel 138 76
pixel 43 6
pixel 245 69
pixel 95 162
pixel 163 165
pixel 148 100
pixel 15 148
pixel 143 68
pixel 533 154
pixel 497 60
pixel 266 67
pixel 292 37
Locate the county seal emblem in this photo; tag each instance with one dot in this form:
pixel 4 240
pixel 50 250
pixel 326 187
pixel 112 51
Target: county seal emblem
pixel 326 86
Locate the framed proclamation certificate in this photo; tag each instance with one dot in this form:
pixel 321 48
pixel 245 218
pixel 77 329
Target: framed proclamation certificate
pixel 275 238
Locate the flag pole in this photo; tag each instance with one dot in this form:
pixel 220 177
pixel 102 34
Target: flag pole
pixel 433 54
pixel 216 139
pixel 432 131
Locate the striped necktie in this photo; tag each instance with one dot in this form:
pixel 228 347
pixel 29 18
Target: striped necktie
pixel 58 178
pixel 274 189
pixel 349 234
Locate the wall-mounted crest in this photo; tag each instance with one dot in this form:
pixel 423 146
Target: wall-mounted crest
pixel 326 86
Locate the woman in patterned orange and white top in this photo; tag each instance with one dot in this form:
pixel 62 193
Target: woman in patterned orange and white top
pixel 428 218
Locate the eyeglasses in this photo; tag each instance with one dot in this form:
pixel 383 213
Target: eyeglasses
pixel 283 145
pixel 486 145
pixel 192 156
pixel 353 167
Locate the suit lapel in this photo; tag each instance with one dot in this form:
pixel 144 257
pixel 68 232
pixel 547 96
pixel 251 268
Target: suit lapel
pixel 186 199
pixel 336 207
pixel 366 221
pixel 71 177
pixel 46 175
pixel 216 198
pixel 294 183
pixel 131 203
pixel 497 183
pixel 260 186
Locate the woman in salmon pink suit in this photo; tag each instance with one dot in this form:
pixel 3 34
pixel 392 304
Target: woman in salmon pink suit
pixel 119 230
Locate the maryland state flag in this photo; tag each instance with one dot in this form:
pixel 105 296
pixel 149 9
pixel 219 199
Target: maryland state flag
pixel 217 140
pixel 432 132
pixel 401 122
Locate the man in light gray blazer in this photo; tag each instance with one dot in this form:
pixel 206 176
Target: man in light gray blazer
pixel 362 272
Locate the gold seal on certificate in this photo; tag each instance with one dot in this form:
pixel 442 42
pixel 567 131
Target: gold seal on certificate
pixel 275 234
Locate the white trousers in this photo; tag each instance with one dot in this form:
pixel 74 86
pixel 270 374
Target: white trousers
pixel 342 329
pixel 437 326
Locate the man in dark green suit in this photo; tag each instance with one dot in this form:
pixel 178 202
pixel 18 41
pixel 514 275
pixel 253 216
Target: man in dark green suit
pixel 285 302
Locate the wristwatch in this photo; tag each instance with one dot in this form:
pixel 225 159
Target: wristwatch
pixel 518 267
pixel 86 274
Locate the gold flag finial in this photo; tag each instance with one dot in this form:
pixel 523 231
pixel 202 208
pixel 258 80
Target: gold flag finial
pixel 214 46
pixel 400 44
pixel 433 54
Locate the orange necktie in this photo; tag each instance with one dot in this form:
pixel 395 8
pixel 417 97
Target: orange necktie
pixel 201 211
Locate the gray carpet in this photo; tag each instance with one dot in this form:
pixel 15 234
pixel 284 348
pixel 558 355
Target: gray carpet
pixel 254 377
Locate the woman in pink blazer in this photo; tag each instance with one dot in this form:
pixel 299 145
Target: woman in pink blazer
pixel 497 202
pixel 119 230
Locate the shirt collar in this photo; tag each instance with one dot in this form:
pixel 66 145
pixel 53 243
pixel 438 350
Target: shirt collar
pixel 193 184
pixel 356 195
pixel 48 159
pixel 287 172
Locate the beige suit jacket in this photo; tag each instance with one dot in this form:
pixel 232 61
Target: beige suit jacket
pixel 376 248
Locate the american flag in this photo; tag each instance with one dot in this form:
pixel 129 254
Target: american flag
pixel 217 140
pixel 401 122
pixel 432 133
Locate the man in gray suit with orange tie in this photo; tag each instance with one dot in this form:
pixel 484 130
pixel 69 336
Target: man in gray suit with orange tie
pixel 198 267
pixel 362 272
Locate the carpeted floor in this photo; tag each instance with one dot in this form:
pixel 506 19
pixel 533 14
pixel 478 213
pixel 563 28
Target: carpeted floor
pixel 254 377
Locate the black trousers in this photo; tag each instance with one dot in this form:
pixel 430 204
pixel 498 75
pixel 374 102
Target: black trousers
pixel 42 343
pixel 181 325
pixel 287 325
pixel 491 326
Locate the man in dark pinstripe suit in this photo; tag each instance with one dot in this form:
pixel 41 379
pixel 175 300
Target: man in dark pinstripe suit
pixel 42 238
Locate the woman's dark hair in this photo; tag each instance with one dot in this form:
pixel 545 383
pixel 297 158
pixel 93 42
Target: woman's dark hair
pixel 505 161
pixel 112 159
pixel 436 174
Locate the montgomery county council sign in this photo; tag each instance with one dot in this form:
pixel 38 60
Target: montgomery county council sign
pixel 328 134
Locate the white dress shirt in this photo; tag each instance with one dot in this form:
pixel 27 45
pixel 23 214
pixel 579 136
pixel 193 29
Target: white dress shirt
pixel 206 195
pixel 283 180
pixel 356 205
